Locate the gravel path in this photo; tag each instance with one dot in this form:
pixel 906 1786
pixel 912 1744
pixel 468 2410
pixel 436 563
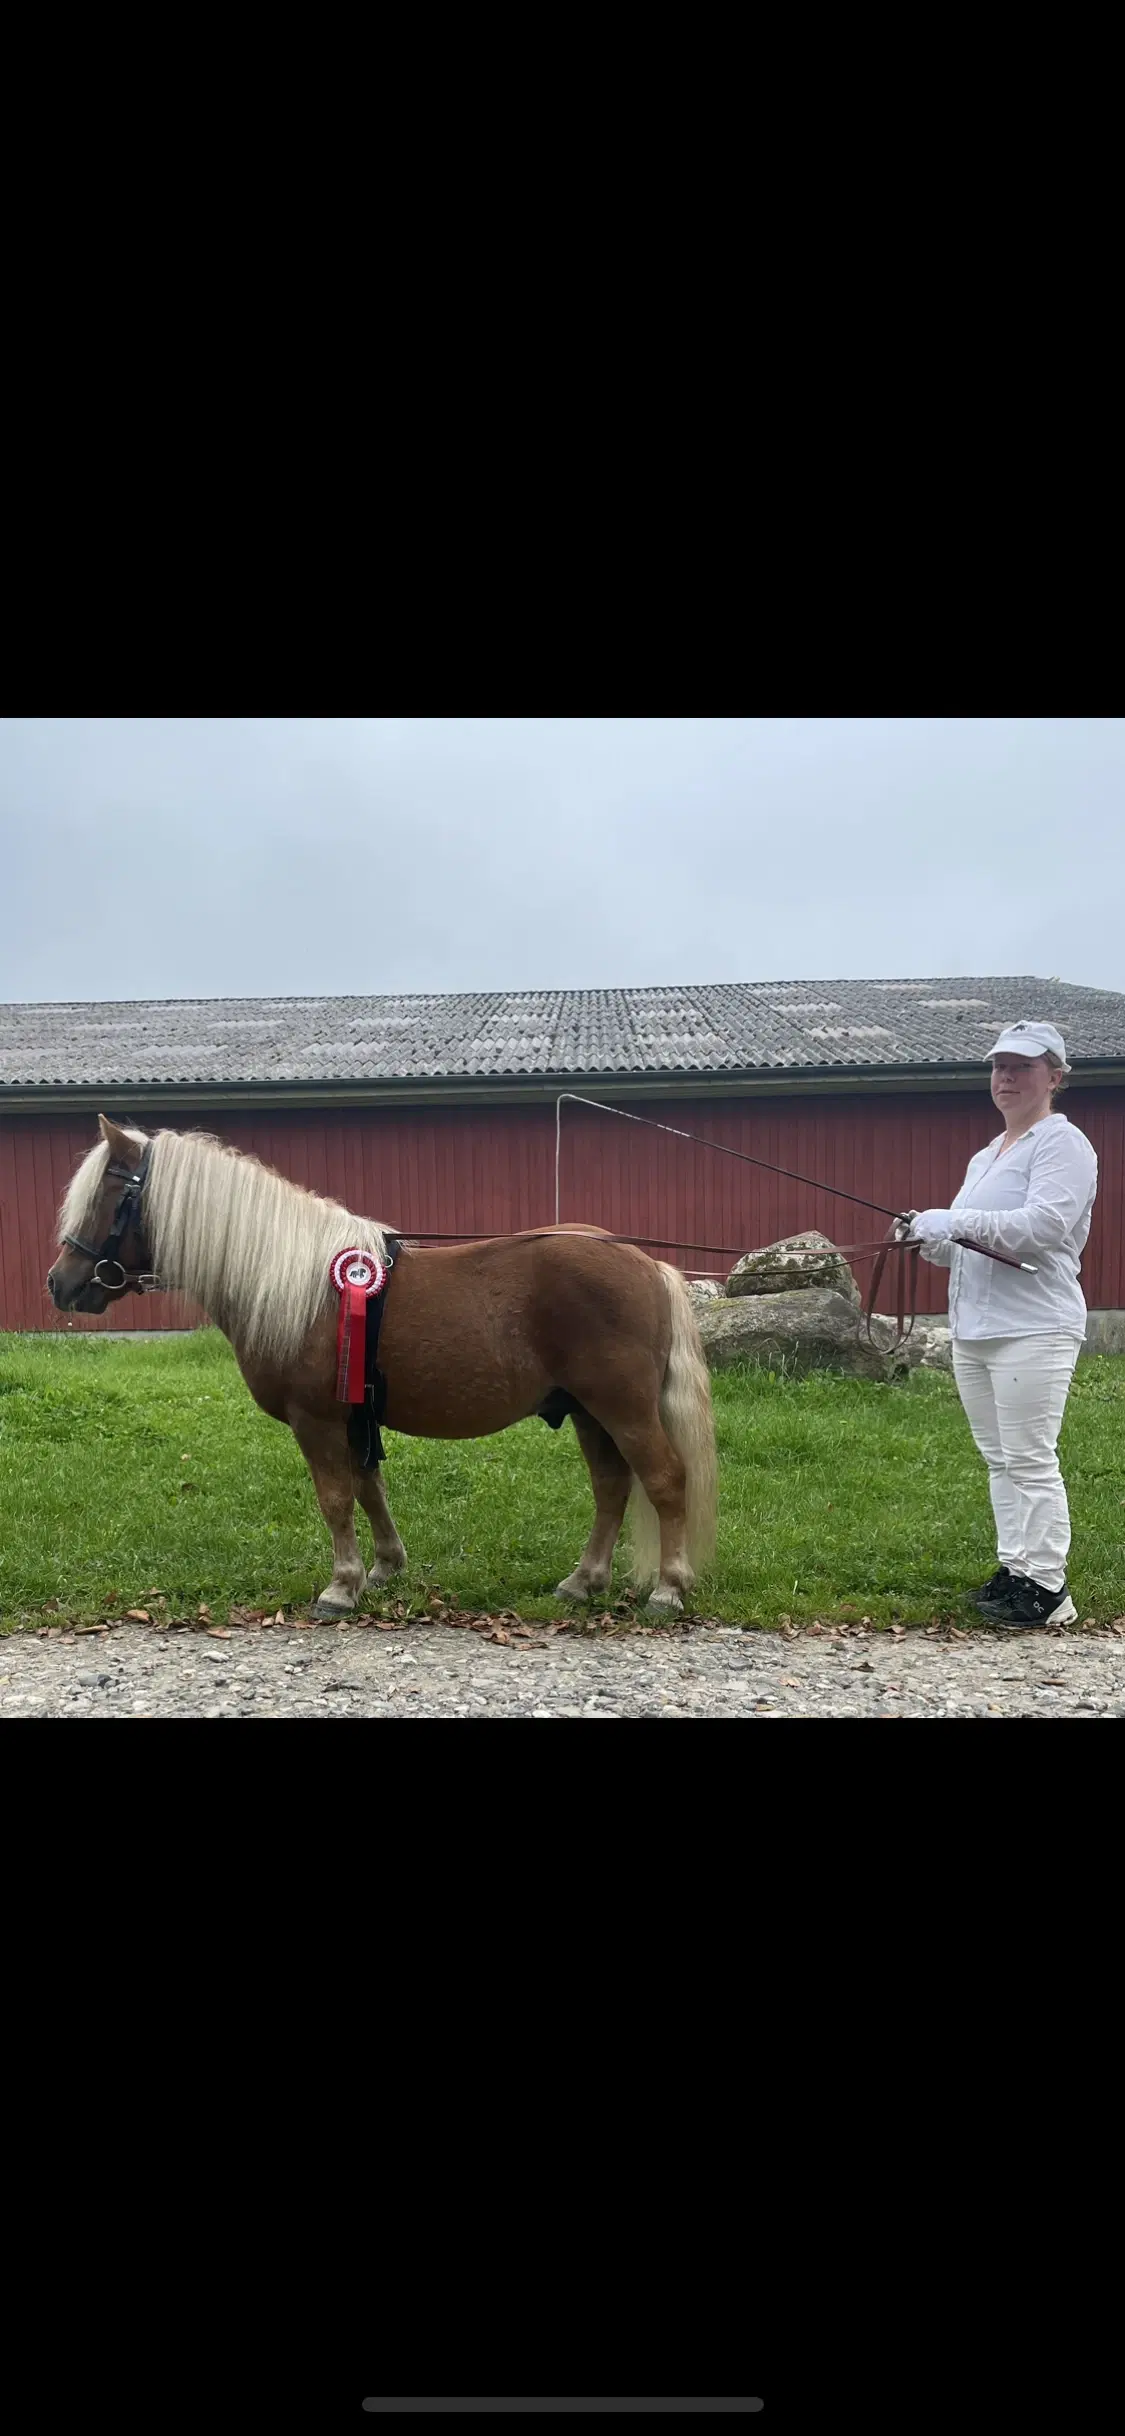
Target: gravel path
pixel 434 1670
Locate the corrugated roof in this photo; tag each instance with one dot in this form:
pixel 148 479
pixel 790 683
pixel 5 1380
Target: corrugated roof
pixel 713 1028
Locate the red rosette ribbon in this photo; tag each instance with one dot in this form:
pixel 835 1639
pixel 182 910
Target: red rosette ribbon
pixel 356 1276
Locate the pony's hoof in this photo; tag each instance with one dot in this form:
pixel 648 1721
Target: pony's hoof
pixel 384 1570
pixel 665 1601
pixel 572 1588
pixel 326 1611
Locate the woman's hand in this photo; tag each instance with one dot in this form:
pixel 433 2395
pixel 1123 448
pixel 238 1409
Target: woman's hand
pixel 931 1226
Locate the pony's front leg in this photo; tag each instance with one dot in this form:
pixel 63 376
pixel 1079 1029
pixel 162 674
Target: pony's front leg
pixel 324 1445
pixel 390 1555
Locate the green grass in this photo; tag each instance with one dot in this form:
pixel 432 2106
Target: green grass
pixel 835 1494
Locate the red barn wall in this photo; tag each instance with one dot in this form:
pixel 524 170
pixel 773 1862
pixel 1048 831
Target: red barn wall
pixel 468 1169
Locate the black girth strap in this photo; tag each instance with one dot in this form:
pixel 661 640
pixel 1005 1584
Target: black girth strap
pixel 364 1436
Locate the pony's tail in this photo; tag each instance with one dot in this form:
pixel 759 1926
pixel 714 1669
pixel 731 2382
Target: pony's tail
pixel 689 1421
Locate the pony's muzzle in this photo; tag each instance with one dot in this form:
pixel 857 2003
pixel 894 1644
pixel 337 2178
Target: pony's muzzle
pixel 89 1297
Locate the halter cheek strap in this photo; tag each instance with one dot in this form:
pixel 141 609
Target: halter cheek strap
pixel 127 1213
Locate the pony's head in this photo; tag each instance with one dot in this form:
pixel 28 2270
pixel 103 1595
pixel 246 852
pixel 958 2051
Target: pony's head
pixel 104 1253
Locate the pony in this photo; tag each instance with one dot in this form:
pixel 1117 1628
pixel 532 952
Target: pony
pixel 476 1336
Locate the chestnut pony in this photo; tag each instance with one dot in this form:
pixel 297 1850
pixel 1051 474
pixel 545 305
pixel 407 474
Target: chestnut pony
pixel 474 1337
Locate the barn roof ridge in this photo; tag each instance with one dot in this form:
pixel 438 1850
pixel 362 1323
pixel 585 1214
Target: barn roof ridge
pixel 704 1029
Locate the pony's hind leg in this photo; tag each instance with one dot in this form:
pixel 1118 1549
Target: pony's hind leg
pixel 390 1555
pixel 324 1445
pixel 662 1477
pixel 610 1478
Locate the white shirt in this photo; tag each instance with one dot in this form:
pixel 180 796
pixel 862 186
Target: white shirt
pixel 1035 1203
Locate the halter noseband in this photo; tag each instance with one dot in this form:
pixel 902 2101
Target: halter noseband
pixel 127 1213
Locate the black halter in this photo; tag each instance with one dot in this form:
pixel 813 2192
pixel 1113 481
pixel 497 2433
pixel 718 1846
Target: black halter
pixel 128 1213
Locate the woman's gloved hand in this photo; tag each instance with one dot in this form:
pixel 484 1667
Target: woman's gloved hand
pixel 931 1226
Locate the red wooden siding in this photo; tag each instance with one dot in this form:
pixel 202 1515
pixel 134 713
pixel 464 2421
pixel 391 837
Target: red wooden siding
pixel 489 1170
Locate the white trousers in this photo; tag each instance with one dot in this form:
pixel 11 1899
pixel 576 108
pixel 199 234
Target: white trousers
pixel 1014 1390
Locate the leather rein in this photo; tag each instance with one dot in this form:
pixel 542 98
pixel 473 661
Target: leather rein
pixel 129 1212
pixel 897 1239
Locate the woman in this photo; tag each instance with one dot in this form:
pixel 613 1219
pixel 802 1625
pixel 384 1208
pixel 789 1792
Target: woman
pixel 1017 1332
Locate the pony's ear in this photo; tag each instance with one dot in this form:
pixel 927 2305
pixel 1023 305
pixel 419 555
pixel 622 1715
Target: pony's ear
pixel 120 1146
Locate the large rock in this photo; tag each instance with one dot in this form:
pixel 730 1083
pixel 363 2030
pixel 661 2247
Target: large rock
pixel 812 1329
pixel 797 1261
pixel 929 1345
pixel 703 1289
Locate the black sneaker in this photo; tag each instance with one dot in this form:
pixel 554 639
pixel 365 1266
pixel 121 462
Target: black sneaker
pixel 1028 1603
pixel 998 1588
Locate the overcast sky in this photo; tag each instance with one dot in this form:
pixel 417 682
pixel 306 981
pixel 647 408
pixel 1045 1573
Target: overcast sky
pixel 179 858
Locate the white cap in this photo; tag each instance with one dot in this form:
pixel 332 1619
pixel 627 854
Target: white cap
pixel 1030 1040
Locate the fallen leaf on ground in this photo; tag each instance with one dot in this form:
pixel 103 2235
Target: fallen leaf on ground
pixel 498 1633
pixel 91 1628
pixel 138 1615
pixel 219 1632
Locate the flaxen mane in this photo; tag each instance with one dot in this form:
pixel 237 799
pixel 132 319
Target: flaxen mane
pixel 252 1248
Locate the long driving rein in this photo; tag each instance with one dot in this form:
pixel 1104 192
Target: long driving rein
pixel 128 1213
pixel 896 1239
